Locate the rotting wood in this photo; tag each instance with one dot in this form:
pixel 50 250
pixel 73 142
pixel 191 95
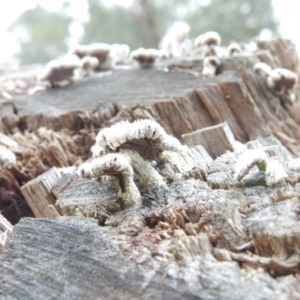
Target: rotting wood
pixel 216 139
pixel 203 230
pixel 38 193
pixel 247 234
pixel 86 198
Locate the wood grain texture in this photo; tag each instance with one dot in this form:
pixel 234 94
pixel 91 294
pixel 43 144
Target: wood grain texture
pixel 215 139
pixel 38 193
pixel 187 239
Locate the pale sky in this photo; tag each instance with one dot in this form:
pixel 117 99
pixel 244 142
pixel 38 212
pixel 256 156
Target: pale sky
pixel 287 11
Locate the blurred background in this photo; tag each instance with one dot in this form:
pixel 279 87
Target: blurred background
pixel 36 31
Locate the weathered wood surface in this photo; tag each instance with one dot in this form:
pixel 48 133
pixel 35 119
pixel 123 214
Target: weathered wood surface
pixel 216 139
pixel 80 260
pixel 187 239
pixel 180 102
pixel 86 198
pixel 237 96
pixel 128 87
pixel 204 235
pixel 38 194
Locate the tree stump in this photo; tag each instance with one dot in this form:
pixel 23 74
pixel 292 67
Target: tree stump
pixel 204 235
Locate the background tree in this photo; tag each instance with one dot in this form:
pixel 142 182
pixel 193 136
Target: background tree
pixel 145 23
pixel 235 20
pixel 141 25
pixel 42 35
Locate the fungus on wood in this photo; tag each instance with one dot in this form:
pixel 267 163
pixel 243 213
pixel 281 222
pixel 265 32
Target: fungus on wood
pixel 208 44
pixel 89 64
pixel 210 66
pixel 279 80
pixel 103 52
pixel 59 72
pixel 122 52
pixel 172 43
pixel 118 167
pixel 145 57
pixel 234 49
pixel 274 172
pixel 141 142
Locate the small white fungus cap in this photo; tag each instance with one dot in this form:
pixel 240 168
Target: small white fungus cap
pixel 210 66
pixel 145 57
pixel 210 38
pixel 141 134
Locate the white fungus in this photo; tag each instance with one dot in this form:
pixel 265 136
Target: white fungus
pixel 172 43
pixel 163 54
pixel 105 54
pixel 145 136
pixel 280 81
pixel 97 151
pixel 234 49
pixel 89 63
pixel 210 38
pixel 208 44
pixel 210 66
pixel 262 69
pixel 118 167
pixel 141 142
pixel 88 66
pixel 59 72
pixel 249 160
pixel 145 57
pixel 273 171
pixel 122 52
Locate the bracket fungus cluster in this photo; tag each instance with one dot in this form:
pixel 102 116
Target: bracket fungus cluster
pixel 126 147
pixel 105 54
pixel 280 81
pixel 79 62
pixel 83 60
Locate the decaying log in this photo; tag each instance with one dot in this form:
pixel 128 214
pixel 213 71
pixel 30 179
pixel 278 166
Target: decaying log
pixel 205 234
